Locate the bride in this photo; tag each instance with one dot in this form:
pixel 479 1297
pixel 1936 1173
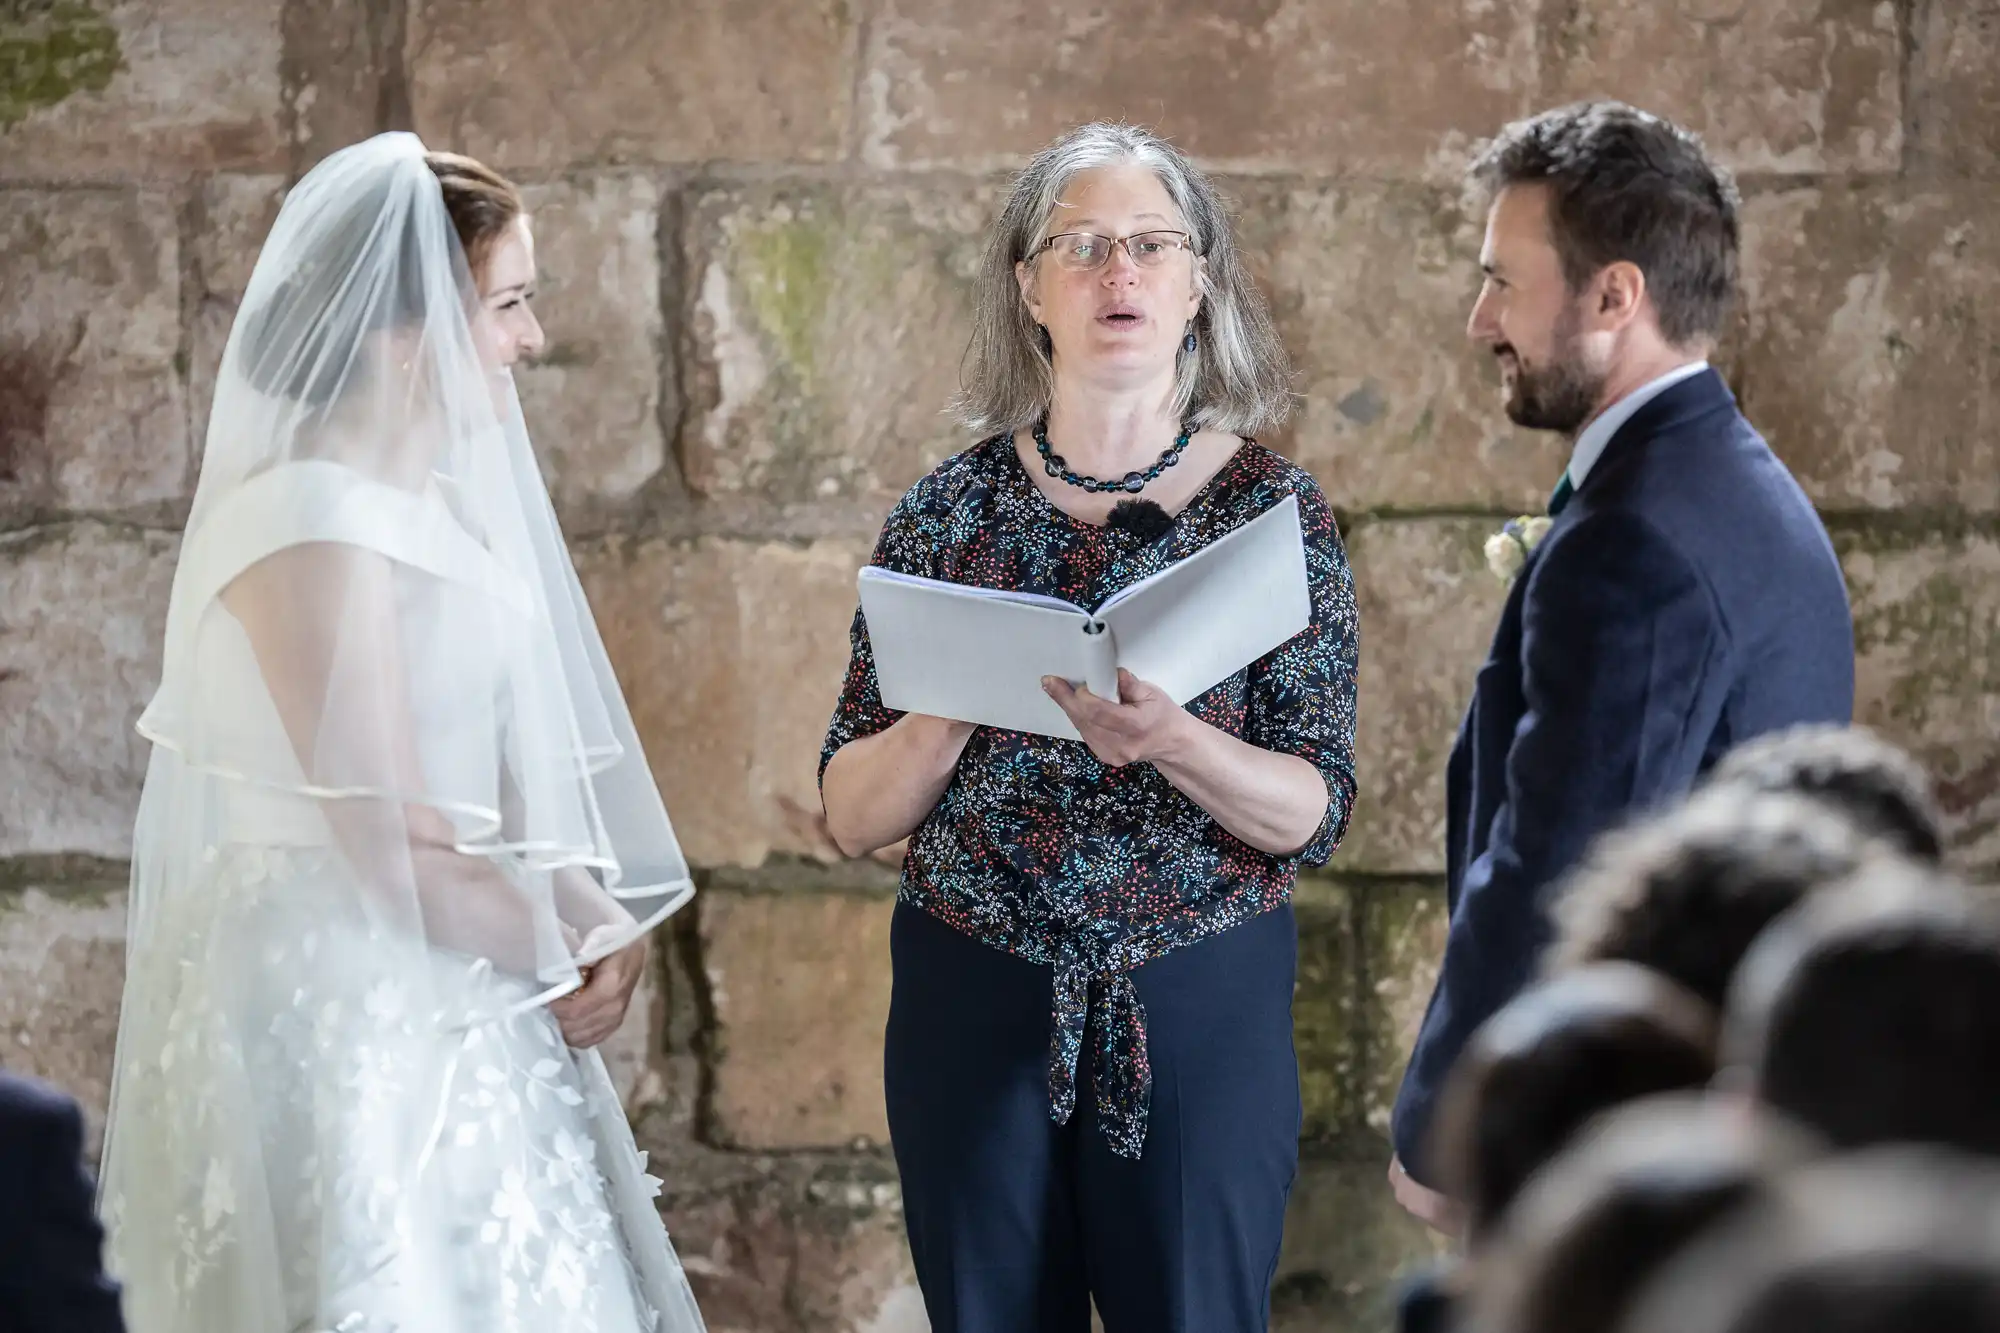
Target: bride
pixel 398 845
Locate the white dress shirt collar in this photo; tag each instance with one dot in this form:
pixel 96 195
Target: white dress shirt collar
pixel 1591 443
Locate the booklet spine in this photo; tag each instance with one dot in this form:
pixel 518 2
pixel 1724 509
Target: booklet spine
pixel 1100 659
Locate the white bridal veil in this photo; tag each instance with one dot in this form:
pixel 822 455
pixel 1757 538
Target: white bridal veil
pixel 440 695
pixel 388 747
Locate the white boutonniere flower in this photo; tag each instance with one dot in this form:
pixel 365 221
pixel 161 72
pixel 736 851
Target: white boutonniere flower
pixel 1507 550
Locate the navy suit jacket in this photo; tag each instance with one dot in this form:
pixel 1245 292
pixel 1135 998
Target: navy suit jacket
pixel 1686 600
pixel 51 1247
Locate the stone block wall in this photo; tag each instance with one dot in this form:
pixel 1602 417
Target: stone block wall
pixel 758 226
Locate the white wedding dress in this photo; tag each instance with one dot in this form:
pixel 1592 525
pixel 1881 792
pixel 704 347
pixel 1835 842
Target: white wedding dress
pixel 395 807
pixel 322 1130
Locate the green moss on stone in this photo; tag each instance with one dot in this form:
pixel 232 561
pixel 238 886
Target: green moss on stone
pixel 51 50
pixel 794 262
pixel 787 270
pixel 1401 932
pixel 1426 426
pixel 88 881
pixel 1323 1018
pixel 1946 627
pixel 1367 947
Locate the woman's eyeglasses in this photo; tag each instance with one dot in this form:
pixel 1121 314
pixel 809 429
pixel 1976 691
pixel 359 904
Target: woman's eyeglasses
pixel 1082 251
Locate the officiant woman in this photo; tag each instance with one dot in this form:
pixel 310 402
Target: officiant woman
pixel 1091 1085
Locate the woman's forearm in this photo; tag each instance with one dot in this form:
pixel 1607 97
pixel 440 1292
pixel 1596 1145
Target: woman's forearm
pixel 880 789
pixel 415 883
pixel 1273 802
pixel 584 903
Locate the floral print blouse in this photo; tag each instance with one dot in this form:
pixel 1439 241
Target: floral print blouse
pixel 1039 849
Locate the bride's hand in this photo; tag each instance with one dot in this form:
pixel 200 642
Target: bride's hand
pixel 593 1012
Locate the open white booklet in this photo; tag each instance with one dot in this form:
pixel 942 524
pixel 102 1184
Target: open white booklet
pixel 979 654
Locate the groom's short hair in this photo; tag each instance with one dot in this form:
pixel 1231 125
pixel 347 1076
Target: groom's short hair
pixel 1687 892
pixel 1871 782
pixel 1626 185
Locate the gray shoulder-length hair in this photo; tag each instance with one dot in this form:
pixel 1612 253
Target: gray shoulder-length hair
pixel 1235 380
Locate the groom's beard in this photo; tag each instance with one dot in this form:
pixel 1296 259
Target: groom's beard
pixel 1561 395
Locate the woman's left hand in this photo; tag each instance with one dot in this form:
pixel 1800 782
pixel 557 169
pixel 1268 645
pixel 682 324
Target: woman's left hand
pixel 594 1010
pixel 1143 726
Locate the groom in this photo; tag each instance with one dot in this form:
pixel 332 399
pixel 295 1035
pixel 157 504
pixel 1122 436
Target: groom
pixel 1686 597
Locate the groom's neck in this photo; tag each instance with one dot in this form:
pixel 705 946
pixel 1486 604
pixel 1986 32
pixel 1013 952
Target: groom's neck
pixel 1635 372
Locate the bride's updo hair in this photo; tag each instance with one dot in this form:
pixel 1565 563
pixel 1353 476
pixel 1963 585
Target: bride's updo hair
pixel 293 349
pixel 483 204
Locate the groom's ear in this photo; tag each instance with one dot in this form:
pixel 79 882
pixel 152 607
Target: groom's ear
pixel 1621 291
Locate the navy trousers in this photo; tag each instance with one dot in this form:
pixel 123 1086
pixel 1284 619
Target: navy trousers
pixel 1017 1223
